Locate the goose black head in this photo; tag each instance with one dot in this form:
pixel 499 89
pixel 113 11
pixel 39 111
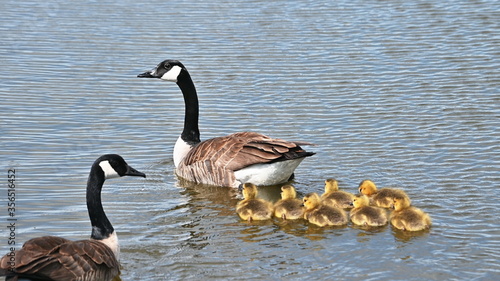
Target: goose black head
pixel 168 70
pixel 113 166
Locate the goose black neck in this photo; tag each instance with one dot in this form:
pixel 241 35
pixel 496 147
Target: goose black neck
pixel 101 227
pixel 191 132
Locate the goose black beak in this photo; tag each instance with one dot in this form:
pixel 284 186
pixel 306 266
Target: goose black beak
pixel 133 172
pixel 146 74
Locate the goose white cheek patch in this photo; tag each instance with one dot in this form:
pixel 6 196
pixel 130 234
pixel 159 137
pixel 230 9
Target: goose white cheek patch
pixel 172 74
pixel 109 172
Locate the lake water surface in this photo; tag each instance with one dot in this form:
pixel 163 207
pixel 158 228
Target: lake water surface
pixel 405 93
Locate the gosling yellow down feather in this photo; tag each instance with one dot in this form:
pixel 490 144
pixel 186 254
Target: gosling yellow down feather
pixel 363 214
pixel 335 197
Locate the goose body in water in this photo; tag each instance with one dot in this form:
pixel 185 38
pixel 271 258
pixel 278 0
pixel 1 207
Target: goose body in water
pixel 229 160
pixel 55 258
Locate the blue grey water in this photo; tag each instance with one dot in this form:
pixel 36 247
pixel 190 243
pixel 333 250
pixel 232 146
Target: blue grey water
pixel 405 93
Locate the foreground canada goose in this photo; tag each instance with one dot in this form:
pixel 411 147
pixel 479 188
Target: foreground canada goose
pixel 288 207
pixel 320 214
pixel 335 197
pixel 251 208
pixel 56 258
pixel 363 214
pixel 380 197
pixel 407 217
pixel 230 160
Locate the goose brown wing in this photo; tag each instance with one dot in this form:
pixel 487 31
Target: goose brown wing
pixel 239 150
pixel 61 259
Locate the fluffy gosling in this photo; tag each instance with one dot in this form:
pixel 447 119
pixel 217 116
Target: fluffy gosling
pixel 335 197
pixel 251 208
pixel 407 217
pixel 320 214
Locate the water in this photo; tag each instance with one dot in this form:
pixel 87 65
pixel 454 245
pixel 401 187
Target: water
pixel 404 93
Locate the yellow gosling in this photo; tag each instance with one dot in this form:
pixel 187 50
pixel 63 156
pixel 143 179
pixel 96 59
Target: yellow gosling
pixel 380 197
pixel 407 217
pixel 288 207
pixel 363 214
pixel 320 214
pixel 335 197
pixel 251 208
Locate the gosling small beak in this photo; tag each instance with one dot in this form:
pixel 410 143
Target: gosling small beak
pixel 240 187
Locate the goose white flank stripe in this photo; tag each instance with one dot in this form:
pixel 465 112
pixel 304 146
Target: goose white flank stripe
pixel 229 160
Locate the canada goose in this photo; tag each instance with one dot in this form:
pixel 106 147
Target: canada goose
pixel 406 217
pixel 335 197
pixel 363 214
pixel 380 197
pixel 230 160
pixel 288 207
pixel 320 214
pixel 56 258
pixel 251 208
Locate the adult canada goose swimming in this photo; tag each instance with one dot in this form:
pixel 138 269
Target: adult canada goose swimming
pixel 56 258
pixel 230 160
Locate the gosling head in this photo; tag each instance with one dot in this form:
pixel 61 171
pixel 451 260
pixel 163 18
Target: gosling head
pixel 331 185
pixel 367 187
pixel 168 70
